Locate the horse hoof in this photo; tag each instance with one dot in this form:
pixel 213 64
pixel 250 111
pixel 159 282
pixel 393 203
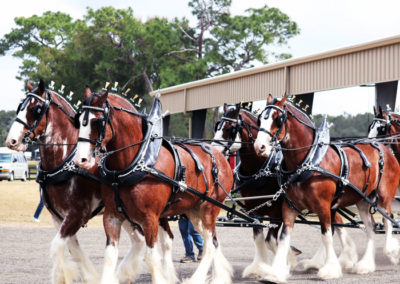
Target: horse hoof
pixel 364 268
pixel 330 272
pixel 273 279
pixel 254 271
pixel 308 264
pixel 274 275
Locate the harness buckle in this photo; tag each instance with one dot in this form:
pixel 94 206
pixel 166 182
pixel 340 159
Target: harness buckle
pixel 182 186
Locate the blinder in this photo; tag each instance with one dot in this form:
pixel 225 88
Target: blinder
pixel 38 111
pixel 280 120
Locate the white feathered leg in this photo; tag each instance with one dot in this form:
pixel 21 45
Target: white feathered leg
pixel 367 263
pixel 391 248
pixel 348 257
pixel 64 271
pixel 88 272
pixel 131 266
pixel 332 268
pixel 255 269
pixel 166 246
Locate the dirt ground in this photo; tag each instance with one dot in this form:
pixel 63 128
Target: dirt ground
pixel 25 245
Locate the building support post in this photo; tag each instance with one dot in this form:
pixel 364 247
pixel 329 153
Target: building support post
pixel 197 123
pixel 385 95
pixel 166 120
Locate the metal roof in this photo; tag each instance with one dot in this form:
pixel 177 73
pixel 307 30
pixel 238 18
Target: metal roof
pixel 372 62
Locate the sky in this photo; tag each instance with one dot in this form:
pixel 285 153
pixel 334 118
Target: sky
pixel 325 25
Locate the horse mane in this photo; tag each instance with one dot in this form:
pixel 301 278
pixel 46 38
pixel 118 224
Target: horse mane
pixel 300 115
pixel 250 115
pixel 64 103
pixel 121 101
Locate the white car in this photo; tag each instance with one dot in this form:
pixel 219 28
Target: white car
pixel 13 165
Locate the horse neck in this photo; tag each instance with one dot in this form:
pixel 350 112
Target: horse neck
pixel 297 135
pixel 251 162
pixel 59 130
pixel 127 130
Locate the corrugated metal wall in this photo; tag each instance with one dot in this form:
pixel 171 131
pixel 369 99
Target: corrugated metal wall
pixel 358 68
pixel 249 88
pixel 364 64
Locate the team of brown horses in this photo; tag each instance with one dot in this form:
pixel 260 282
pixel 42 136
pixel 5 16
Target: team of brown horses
pixel 280 125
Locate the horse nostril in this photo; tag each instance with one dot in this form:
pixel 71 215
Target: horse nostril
pixel 83 160
pixel 13 142
pixel 262 148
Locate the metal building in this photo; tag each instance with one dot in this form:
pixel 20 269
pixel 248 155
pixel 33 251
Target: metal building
pixel 376 62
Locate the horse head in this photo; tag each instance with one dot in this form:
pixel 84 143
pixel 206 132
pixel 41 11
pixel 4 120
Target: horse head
pixel 272 122
pixel 95 131
pixel 380 125
pixel 227 130
pixel 30 122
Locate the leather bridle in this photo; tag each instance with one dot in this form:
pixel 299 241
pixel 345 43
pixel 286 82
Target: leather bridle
pixel 38 111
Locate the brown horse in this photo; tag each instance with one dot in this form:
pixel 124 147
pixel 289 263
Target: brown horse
pixel 70 202
pixel 284 124
pixel 386 125
pixel 237 131
pixel 145 202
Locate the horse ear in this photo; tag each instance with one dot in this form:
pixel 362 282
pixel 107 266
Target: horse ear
pixel 269 99
pixel 380 110
pixel 29 86
pixel 41 86
pixel 375 111
pixel 225 107
pixel 88 92
pixel 103 98
pixel 283 100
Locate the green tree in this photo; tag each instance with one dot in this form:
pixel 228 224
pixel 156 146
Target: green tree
pixel 224 43
pixel 6 118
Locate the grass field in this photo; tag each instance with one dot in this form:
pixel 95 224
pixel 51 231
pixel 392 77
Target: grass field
pixel 18 201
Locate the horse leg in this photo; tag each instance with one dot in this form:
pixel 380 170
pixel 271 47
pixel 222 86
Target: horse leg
pixel 391 248
pixel 254 270
pixel 331 268
pixel 64 271
pixel 367 263
pixel 166 238
pixel 316 261
pixel 152 256
pixel 212 254
pixel 89 273
pixel 348 257
pixel 131 265
pixel 279 271
pixel 112 228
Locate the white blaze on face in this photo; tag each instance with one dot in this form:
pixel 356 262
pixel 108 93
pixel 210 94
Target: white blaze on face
pixel 17 132
pixel 236 146
pixel 83 156
pixel 374 130
pixel 220 145
pixel 262 144
pixel 223 142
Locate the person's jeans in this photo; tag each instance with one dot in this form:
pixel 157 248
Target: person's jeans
pixel 190 235
pixel 39 209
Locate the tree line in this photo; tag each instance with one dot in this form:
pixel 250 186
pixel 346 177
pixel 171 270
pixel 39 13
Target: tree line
pixel 112 45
